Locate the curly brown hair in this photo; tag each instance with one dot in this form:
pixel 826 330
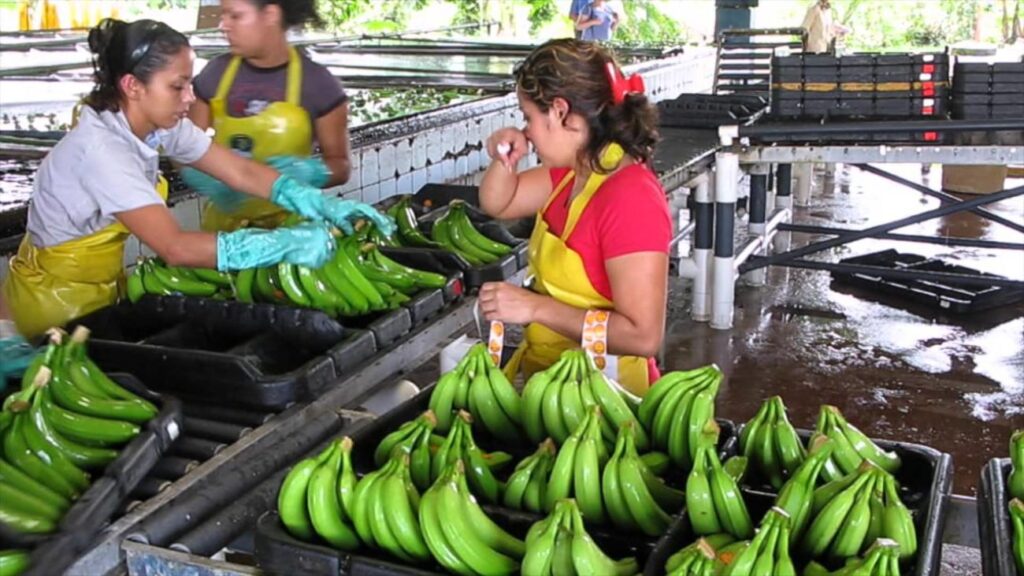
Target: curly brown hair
pixel 574 70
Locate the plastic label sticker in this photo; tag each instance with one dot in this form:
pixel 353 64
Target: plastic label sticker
pixel 594 342
pixel 496 341
pixel 172 430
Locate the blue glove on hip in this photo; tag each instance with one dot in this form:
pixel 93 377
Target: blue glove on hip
pixel 218 192
pixel 310 202
pixel 15 356
pixel 311 170
pixel 310 245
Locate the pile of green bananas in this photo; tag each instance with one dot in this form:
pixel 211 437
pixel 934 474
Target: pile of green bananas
pixel 1015 484
pixel 852 446
pixel 768 552
pixel 67 420
pixel 460 446
pixel 560 544
pixel 677 407
pixel 318 497
pixel 13 562
pixel 705 557
pixel 385 511
pixel 458 533
pixel 455 231
pixel 713 499
pixel 797 494
pixel 152 276
pixel 849 514
pixel 528 483
pixel 771 443
pixel 881 560
pixel 409 233
pixel 478 385
pixel 636 499
pixel 414 438
pixel 359 279
pixel 556 400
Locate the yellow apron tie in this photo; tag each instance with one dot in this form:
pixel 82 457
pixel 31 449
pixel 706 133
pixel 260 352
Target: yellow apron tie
pixel 281 129
pixel 558 271
pixel 50 286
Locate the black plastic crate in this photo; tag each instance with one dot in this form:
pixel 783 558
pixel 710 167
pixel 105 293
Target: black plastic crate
pixel 81 525
pixel 710 110
pixel 256 355
pixel 501 269
pixel 946 296
pixel 429 303
pixel 963 111
pixel 994 525
pixel 985 99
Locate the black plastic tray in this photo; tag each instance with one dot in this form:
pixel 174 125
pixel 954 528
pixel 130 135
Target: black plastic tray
pixel 926 481
pixel 710 110
pixel 994 526
pixel 80 526
pixel 430 303
pixel 963 111
pixel 945 296
pixel 258 355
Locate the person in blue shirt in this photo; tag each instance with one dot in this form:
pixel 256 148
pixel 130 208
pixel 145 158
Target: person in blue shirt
pixel 597 22
pixel 575 8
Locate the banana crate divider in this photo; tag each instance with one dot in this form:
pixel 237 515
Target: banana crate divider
pixel 431 202
pixel 994 525
pixel 925 480
pixel 78 529
pixel 259 355
pixel 279 553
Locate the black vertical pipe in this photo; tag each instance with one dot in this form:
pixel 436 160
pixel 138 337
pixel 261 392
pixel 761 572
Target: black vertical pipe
pixel 758 198
pixel 784 180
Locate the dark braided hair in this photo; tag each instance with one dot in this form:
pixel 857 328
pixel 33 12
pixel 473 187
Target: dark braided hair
pixel 574 70
pixel 294 12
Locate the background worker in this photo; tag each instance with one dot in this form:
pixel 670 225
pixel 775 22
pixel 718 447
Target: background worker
pixel 821 28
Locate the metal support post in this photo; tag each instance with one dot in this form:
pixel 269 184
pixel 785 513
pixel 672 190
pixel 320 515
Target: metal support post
pixel 723 291
pixel 758 216
pixel 804 174
pixel 783 201
pixel 703 242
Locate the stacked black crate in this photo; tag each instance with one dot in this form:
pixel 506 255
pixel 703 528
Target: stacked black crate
pixel 988 91
pixel 862 87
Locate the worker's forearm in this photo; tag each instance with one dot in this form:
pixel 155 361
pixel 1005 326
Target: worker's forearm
pixel 498 188
pixel 625 338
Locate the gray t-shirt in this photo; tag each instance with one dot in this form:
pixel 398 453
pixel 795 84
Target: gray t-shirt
pixel 255 88
pixel 100 169
pixel 601 32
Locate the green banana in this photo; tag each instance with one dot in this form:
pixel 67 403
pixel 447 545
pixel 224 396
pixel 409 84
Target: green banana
pixel 1017 520
pixel 797 495
pixel 826 524
pixel 700 505
pixel 865 447
pixel 588 558
pixel 613 406
pixel 1015 482
pixel 897 523
pixel 400 515
pixel 323 505
pixel 68 395
pixel 151 283
pixel 13 562
pixel 349 269
pixel 89 430
pixel 177 283
pixel 15 478
pixel 790 451
pixel 346 480
pixel 485 407
pixel 24 523
pixel 540 545
pixel 474 236
pixel 729 504
pixel 292 501
pixel 86 457
pixel 408 227
pixel 587 474
pixel 652 401
pixel 362 501
pixel 850 539
pixel 25 503
pixel 286 273
pixel 17 450
pixel 135 288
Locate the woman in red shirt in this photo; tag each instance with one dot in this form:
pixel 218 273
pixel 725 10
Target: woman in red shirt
pixel 602 232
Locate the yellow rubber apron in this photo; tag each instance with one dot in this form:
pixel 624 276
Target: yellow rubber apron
pixel 558 271
pixel 48 287
pixel 281 129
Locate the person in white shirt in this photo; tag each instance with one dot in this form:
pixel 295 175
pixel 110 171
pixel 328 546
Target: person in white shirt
pixel 820 27
pixel 101 183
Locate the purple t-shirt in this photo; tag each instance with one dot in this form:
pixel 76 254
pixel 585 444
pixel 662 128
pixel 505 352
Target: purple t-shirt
pixel 255 88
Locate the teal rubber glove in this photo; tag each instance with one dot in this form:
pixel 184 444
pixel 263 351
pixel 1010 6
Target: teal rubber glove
pixel 310 202
pixel 218 192
pixel 15 356
pixel 310 245
pixel 312 170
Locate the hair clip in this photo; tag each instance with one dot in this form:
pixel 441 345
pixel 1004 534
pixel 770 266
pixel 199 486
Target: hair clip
pixel 621 85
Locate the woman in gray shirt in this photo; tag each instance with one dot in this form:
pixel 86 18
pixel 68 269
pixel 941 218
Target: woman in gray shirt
pixel 99 185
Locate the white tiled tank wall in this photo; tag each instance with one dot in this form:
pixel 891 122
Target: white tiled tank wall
pixel 453 153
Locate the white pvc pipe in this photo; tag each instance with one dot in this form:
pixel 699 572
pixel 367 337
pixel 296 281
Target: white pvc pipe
pixel 803 176
pixel 700 311
pixel 723 290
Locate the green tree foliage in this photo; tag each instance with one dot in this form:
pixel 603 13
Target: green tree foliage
pixel 645 24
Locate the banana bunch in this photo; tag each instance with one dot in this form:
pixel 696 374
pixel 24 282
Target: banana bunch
pixel 849 514
pixel 700 558
pixel 634 497
pixel 768 553
pixel 152 276
pixel 67 419
pixel 413 438
pixel 797 494
pixel 882 559
pixel 713 499
pixel 317 497
pixel 525 488
pixel 851 446
pixel 13 562
pixel 409 232
pixel 458 446
pixel 458 533
pixel 385 511
pixel 559 544
pixel 1017 519
pixel 478 385
pixel 771 443
pixel 1016 480
pixel 456 233
pixel 676 408
pixel 556 400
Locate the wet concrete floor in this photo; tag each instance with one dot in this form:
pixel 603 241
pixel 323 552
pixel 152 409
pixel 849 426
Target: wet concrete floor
pixel 897 370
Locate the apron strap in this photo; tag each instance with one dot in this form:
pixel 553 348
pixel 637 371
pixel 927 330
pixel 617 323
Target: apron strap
pixel 228 78
pixel 611 156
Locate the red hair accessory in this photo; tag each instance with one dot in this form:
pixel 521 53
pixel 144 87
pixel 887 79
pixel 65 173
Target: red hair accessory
pixel 622 85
